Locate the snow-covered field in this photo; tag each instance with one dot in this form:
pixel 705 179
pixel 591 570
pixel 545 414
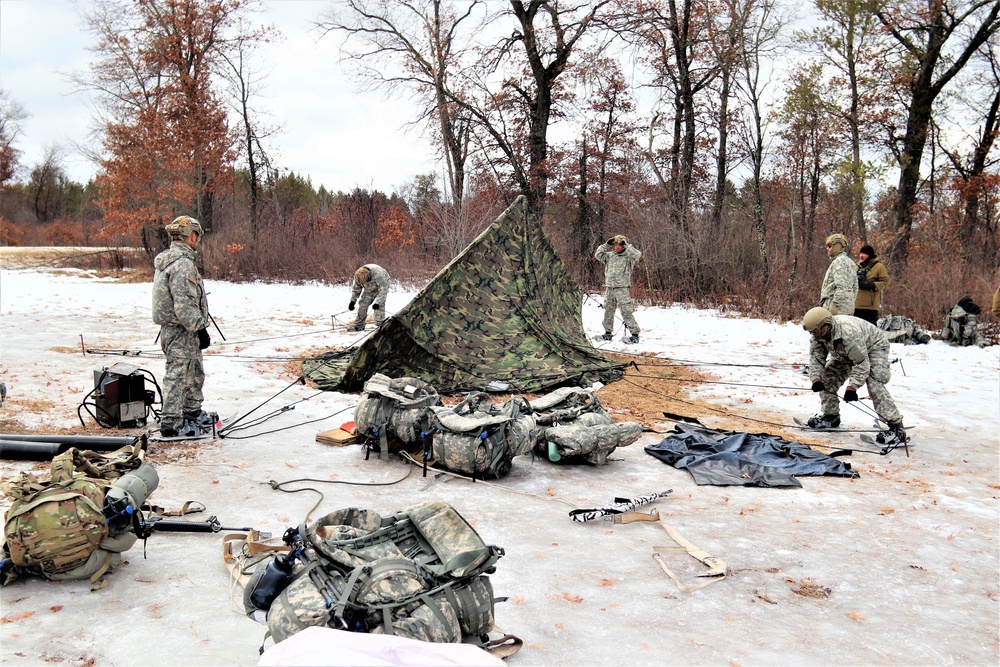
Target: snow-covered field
pixel 897 567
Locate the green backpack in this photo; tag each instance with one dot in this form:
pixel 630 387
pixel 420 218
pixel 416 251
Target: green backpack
pixel 57 528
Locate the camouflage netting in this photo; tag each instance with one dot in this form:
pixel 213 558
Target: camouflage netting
pixel 504 310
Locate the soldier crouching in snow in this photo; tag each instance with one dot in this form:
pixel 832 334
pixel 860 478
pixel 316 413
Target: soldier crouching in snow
pixel 619 258
pixel 844 347
pixel 181 310
pixel 371 283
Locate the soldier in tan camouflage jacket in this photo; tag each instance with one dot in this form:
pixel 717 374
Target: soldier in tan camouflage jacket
pixel 872 279
pixel 619 257
pixel 181 310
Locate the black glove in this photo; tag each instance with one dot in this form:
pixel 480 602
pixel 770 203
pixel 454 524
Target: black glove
pixel 866 285
pixel 611 241
pixel 375 306
pixel 850 395
pixel 350 306
pixel 203 339
pixel 818 386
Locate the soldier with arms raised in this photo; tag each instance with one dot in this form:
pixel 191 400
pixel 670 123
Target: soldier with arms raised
pixel 619 257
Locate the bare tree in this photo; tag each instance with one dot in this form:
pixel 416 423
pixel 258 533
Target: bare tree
pixel 418 44
pixel 244 77
pixel 937 39
pixel 850 41
pixel 726 39
pixel 12 115
pixel 513 117
pixel 981 93
pixel 44 185
pixel 759 47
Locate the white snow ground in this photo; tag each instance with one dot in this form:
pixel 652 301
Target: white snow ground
pixel 902 562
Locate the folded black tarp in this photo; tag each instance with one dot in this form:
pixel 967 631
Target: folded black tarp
pixel 728 458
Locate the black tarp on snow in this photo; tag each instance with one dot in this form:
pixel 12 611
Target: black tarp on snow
pixel 728 458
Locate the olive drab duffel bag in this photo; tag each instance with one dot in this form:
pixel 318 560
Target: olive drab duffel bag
pixel 419 573
pixel 573 426
pixel 60 529
pixel 475 438
pixel 394 410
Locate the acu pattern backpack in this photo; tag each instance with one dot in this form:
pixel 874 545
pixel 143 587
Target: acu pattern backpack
pixel 960 324
pixel 394 411
pixel 57 528
pixel 573 425
pixel 418 573
pixel 900 329
pixel 475 438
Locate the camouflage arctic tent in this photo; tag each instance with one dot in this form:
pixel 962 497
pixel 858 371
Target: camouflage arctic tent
pixel 505 311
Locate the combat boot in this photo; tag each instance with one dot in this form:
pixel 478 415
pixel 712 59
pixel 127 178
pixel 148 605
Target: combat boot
pixel 607 335
pixel 824 421
pixel 894 435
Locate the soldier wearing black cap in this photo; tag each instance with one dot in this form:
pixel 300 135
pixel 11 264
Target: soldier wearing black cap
pixel 872 279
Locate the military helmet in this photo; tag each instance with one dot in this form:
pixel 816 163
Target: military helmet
pixel 816 317
pixel 363 275
pixel 837 239
pixel 182 226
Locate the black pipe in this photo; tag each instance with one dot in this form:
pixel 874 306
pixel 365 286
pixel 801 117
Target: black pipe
pixel 22 450
pixel 110 442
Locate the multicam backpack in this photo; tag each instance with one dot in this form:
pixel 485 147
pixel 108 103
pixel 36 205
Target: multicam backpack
pixel 474 438
pixel 573 425
pixel 58 528
pixel 394 410
pixel 419 573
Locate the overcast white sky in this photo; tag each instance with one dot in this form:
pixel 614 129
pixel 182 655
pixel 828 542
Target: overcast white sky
pixel 332 132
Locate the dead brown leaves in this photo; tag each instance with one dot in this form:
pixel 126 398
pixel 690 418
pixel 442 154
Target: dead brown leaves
pixel 13 618
pixel 810 589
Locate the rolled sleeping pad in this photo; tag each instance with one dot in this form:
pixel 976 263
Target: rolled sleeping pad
pixel 27 447
pixel 94 442
pixel 23 450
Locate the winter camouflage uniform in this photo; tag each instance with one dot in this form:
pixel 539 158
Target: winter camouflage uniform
pixel 373 291
pixel 617 281
pixel 181 310
pixel 840 286
pixel 900 329
pixel 857 351
pixel 961 326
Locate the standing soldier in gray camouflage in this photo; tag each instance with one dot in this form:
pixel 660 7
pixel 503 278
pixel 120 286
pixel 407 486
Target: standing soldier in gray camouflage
pixel 846 347
pixel 181 310
pixel 840 284
pixel 619 258
pixel 371 283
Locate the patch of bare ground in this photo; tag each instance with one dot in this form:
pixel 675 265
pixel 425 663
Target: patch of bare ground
pixel 124 264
